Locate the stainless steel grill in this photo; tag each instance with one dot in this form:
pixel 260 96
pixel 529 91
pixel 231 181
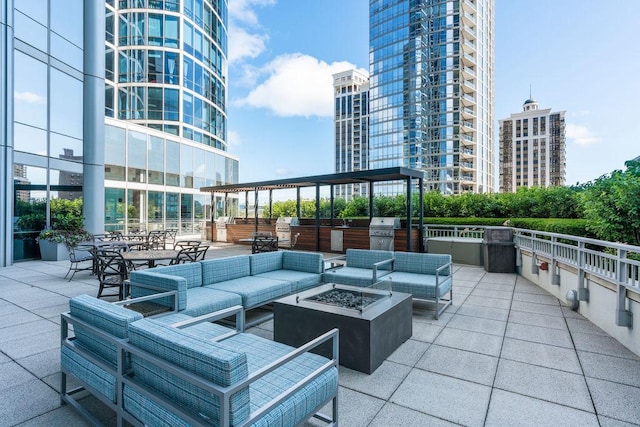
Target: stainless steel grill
pixel 382 232
pixel 221 228
pixel 283 229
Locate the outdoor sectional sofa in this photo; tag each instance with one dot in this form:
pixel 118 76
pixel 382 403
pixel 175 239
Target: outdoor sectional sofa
pixel 177 370
pixel 247 280
pixel 425 276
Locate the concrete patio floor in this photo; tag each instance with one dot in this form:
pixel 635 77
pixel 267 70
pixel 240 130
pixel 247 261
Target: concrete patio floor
pixel 505 354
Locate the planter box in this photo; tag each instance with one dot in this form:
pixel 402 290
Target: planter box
pixel 51 251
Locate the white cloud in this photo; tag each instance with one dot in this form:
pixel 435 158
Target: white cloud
pixel 581 135
pixel 245 45
pixel 296 85
pixel 246 38
pixel 29 98
pixel 282 172
pixel 233 138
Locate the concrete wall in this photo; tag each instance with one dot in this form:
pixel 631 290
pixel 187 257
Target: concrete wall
pixel 600 309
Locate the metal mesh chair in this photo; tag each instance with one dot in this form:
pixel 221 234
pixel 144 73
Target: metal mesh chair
pixel 112 272
pixel 81 260
pixel 264 244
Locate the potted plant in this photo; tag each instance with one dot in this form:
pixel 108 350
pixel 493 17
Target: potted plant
pixel 66 230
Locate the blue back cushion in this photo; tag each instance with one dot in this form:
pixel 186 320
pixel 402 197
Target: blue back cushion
pixel 364 258
pixel 223 269
pixel 159 281
pixel 265 262
pixel 109 318
pixel 191 271
pixel 212 361
pixel 411 262
pixel 308 262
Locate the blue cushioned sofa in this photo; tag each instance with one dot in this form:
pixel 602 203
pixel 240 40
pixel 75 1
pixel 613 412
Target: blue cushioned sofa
pixel 179 370
pixel 248 280
pixel 362 268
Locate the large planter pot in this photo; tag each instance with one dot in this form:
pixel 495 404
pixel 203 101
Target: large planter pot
pixel 51 251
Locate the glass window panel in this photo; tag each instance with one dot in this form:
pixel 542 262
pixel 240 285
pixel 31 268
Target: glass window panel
pixel 171 33
pixel 110 29
pixel 188 72
pixel 199 203
pixel 172 209
pixel 186 166
pixel 220 170
pixel 199 168
pixel 66 52
pixel 156 160
pixel 173 163
pixel 155 66
pixel 114 208
pixel 109 62
pixel 67 18
pixel 30 91
pixel 29 139
pixel 64 147
pixel 137 156
pixel 136 209
pixel 197 44
pixel 186 213
pixel 36 9
pixel 66 104
pixel 65 178
pixel 114 158
pixel 210 169
pixel 187 107
pixel 187 37
pixel 155 29
pixel 171 106
pixel 30 31
pixel 171 68
pixel 155 103
pixel 156 207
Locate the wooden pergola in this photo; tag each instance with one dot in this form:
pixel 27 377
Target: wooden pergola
pixel 368 177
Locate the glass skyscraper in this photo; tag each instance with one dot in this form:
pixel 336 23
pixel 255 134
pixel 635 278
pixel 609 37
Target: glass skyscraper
pixel 431 92
pixel 156 69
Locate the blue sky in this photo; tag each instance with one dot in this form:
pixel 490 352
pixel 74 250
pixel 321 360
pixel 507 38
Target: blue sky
pixel 578 56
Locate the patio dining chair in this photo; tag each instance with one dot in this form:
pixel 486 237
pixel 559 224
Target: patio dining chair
pixel 156 240
pixel 81 260
pixel 181 244
pixel 264 244
pixel 112 272
pixel 190 254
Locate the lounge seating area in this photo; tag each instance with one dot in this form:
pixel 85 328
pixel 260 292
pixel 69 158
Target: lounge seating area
pixel 176 370
pixel 493 358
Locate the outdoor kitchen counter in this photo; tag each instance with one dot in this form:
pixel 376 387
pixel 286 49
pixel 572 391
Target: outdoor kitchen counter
pixel 353 237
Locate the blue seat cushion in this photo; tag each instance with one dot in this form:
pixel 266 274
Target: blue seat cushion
pixel 266 261
pixel 191 271
pixel 309 262
pixel 206 330
pixel 223 269
pixel 412 262
pixel 254 290
pixel 107 317
pixel 352 276
pixel 163 282
pixel 299 279
pixel 204 300
pixel 364 258
pixel 209 360
pixel 419 285
pixel 261 352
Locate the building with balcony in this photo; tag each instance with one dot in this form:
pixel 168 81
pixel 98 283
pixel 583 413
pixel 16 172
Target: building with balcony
pixel 532 148
pixel 431 92
pixel 156 70
pixel 351 121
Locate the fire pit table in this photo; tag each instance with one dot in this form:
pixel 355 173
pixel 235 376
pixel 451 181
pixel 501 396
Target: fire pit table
pixel 372 322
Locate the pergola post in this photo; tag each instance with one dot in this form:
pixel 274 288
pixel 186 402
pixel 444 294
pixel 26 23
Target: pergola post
pixel 298 202
pixel 317 217
pixel 421 247
pixel 255 210
pixel 409 203
pixel 370 200
pixel 270 205
pixel 331 204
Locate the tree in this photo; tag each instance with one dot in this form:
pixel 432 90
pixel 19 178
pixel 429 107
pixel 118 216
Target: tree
pixel 612 205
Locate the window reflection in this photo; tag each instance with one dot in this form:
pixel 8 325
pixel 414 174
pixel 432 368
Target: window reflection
pixel 30 31
pixel 114 209
pixel 64 147
pixel 173 163
pixel 29 139
pixel 114 158
pixel 186 166
pixel 64 12
pixel 66 104
pixel 137 159
pixel 156 160
pixel 30 91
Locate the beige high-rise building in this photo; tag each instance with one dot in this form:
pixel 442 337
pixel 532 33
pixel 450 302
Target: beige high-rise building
pixel 532 148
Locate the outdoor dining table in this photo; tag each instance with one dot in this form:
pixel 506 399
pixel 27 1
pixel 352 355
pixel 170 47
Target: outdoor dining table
pixel 151 256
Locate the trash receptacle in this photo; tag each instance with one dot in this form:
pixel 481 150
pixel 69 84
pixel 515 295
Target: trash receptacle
pixel 499 250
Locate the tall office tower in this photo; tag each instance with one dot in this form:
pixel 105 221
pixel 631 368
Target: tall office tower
pixel 431 91
pixel 532 148
pixel 351 90
pixel 166 91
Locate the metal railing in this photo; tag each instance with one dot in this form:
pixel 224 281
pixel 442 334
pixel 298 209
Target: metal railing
pixel 437 230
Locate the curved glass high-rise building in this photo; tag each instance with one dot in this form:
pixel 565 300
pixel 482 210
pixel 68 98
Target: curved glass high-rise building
pixel 431 91
pixel 166 66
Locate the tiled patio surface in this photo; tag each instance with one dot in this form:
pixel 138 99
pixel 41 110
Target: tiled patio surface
pixel 506 354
